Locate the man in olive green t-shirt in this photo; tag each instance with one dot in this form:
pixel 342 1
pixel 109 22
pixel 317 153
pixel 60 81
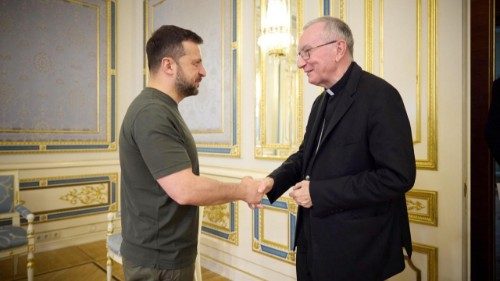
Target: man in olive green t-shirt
pixel 161 187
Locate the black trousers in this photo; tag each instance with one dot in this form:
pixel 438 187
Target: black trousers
pixel 303 264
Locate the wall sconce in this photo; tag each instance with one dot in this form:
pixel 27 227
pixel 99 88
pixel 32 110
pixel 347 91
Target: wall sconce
pixel 275 38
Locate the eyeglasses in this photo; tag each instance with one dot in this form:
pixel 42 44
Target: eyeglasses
pixel 305 54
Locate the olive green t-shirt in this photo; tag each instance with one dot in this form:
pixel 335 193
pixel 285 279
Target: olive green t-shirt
pixel 155 142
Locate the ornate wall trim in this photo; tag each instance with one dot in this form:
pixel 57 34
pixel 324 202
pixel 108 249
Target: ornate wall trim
pixel 281 250
pixel 221 221
pixel 431 254
pixel 56 198
pixel 422 206
pixel 59 89
pixel 220 136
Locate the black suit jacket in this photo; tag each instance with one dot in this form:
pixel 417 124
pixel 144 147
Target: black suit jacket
pixel 358 178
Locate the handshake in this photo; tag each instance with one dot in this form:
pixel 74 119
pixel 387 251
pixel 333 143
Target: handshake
pixel 256 189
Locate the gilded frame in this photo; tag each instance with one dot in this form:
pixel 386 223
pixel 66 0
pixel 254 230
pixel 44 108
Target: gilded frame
pixel 44 135
pixel 272 248
pixel 422 206
pixel 431 253
pixel 225 140
pixel 336 8
pixel 339 8
pixel 265 149
pixel 89 195
pixel 221 221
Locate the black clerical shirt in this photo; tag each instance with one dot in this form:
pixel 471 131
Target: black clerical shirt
pixel 331 100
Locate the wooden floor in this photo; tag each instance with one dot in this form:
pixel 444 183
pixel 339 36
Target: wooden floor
pixel 85 262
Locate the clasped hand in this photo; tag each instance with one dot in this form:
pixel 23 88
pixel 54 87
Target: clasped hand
pixel 301 195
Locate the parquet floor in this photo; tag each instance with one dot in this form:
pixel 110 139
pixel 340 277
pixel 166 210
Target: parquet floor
pixel 86 262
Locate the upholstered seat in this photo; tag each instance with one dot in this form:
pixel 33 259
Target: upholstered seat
pixel 14 239
pixel 12 236
pixel 114 241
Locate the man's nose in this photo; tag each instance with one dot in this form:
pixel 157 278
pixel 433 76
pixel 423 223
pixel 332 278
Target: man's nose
pixel 203 72
pixel 300 62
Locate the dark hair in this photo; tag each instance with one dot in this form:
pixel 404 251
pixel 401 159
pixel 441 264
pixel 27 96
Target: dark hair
pixel 166 41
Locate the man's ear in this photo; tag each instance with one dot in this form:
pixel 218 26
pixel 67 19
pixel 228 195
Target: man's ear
pixel 341 50
pixel 168 65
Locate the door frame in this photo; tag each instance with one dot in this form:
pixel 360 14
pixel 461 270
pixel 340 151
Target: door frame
pixel 482 201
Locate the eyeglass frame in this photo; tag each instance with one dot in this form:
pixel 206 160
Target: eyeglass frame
pixel 305 55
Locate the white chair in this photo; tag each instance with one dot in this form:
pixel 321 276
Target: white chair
pixel 14 239
pixel 114 240
pixel 113 243
pixel 197 263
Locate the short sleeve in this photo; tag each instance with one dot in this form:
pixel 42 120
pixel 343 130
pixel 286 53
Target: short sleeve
pixel 160 140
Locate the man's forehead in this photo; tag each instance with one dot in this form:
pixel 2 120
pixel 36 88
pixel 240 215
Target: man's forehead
pixel 190 46
pixel 309 38
pixel 191 49
pixel 311 34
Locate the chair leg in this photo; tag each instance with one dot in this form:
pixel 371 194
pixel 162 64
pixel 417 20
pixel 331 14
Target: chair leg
pixel 15 260
pixel 30 274
pixel 197 269
pixel 30 265
pixel 109 269
pixel 30 258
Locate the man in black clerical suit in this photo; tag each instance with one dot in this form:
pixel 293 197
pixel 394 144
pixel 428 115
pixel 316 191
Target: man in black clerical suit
pixel 353 168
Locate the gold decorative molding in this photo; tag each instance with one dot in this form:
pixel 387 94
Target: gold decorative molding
pixel 224 140
pixel 424 60
pixel 428 63
pixel 342 10
pixel 369 35
pixel 278 133
pixel 419 264
pixel 381 37
pixel 70 196
pixel 418 272
pixel 418 91
pixel 43 217
pixel 42 136
pixel 217 215
pixel 337 8
pixel 430 163
pixel 87 195
pixel 113 207
pixel 422 206
pixel 271 248
pixel 431 253
pixel 221 221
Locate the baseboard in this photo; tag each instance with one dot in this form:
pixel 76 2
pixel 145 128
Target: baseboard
pixel 60 238
pixel 233 267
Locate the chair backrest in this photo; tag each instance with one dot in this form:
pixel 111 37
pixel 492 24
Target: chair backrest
pixel 8 192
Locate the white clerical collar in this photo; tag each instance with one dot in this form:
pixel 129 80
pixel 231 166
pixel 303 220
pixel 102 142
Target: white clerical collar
pixel 330 92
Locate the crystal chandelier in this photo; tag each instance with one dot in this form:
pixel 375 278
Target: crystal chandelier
pixel 275 38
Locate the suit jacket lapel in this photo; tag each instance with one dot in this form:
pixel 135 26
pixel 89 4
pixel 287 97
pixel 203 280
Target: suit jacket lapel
pixel 344 103
pixel 318 122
